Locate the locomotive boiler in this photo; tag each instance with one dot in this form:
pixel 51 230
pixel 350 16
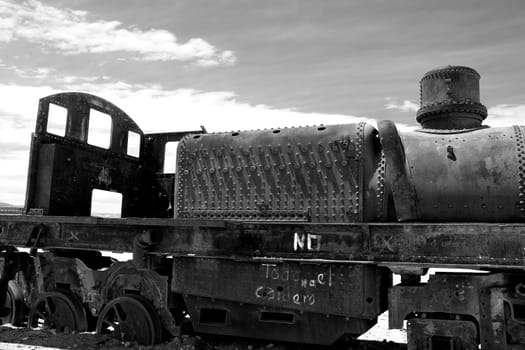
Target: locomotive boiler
pixel 453 169
pixel 288 234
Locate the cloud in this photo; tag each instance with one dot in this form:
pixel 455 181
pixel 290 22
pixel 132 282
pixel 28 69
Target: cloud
pixel 51 75
pixel 36 73
pixel 406 106
pixel 505 115
pixel 157 109
pixel 14 161
pixel 72 32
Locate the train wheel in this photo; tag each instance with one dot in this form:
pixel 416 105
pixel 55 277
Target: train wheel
pixel 130 318
pixel 13 310
pixel 60 310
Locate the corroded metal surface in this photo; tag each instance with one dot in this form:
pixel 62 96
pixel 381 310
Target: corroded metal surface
pixel 337 289
pixel 468 176
pixel 160 195
pixel 318 174
pixel 449 99
pixel 460 245
pixel 247 320
pixel 60 310
pixel 397 174
pixel 463 309
pixel 63 171
pixel 131 318
pixel 442 334
pixel 281 295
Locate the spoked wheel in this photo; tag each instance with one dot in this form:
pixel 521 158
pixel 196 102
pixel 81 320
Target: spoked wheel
pixel 60 310
pixel 14 308
pixel 130 318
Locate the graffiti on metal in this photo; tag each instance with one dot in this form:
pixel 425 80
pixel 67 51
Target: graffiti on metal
pixel 293 286
pixel 306 241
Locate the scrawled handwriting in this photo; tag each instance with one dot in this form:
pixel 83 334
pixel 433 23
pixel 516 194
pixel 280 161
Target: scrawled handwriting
pixel 283 284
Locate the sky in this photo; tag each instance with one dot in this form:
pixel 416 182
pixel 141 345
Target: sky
pixel 234 65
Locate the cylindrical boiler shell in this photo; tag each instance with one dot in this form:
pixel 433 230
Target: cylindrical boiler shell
pixel 468 176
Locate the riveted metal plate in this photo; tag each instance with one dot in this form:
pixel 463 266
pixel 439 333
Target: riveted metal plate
pixel 313 174
pixel 470 176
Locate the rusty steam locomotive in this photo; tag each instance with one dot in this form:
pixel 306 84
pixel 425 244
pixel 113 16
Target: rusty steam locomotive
pixel 288 234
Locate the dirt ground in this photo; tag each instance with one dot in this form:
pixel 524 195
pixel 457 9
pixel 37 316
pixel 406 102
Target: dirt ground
pixel 49 338
pixel 33 339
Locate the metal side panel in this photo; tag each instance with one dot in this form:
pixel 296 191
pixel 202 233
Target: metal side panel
pixel 350 290
pixel 253 321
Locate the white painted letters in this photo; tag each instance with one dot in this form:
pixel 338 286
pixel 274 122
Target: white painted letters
pixel 313 242
pixel 298 241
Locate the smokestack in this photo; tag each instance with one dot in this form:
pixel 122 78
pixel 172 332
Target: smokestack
pixel 449 99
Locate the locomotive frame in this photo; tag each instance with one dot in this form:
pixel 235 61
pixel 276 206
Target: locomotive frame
pixel 282 276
